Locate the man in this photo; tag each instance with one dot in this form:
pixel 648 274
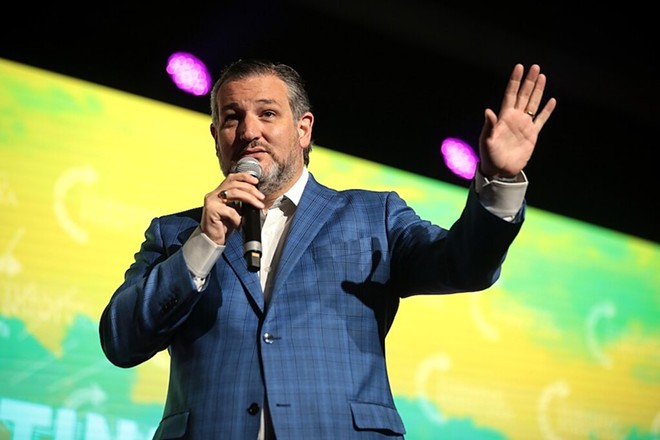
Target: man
pixel 296 348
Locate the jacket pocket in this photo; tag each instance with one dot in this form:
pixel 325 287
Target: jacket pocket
pixel 376 417
pixel 173 426
pixel 357 260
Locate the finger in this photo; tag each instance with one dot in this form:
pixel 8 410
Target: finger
pixel 221 216
pixel 226 198
pixel 218 218
pixel 240 193
pixel 243 177
pixel 512 87
pixel 237 184
pixel 543 116
pixel 490 119
pixel 527 88
pixel 534 101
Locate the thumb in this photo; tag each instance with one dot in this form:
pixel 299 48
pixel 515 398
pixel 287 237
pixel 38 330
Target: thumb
pixel 490 118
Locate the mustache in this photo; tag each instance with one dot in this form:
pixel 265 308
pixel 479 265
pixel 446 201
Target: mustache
pixel 253 145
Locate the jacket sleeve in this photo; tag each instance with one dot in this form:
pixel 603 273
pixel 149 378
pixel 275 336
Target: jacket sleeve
pixel 466 257
pixel 156 297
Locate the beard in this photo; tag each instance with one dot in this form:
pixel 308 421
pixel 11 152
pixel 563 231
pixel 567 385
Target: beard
pixel 280 173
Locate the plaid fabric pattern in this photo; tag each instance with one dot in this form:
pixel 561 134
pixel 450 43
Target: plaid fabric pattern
pixel 319 348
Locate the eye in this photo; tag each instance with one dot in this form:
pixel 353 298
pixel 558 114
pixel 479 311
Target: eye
pixel 229 118
pixel 269 114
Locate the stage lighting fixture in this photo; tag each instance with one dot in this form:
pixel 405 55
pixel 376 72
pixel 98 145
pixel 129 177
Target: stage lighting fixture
pixel 189 73
pixel 459 157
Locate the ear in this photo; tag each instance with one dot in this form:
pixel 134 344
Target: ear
pixel 214 133
pixel 305 125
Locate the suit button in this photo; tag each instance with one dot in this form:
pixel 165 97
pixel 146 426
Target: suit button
pixel 253 409
pixel 268 338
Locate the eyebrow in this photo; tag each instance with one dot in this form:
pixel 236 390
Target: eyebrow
pixel 234 105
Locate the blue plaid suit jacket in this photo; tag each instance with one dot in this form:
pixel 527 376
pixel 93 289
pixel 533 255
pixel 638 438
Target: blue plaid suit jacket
pixel 318 351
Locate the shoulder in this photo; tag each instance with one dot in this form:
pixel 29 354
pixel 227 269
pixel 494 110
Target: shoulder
pixel 174 222
pixel 193 214
pixel 175 227
pixel 350 194
pixel 352 202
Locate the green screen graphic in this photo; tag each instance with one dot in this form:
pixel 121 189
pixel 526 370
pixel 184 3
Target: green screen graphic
pixel 565 346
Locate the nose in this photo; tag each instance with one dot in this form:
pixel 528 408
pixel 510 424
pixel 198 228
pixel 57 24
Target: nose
pixel 249 128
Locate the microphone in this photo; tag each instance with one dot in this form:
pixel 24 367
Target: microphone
pixel 251 222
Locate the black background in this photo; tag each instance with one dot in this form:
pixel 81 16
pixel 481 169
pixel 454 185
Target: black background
pixel 390 79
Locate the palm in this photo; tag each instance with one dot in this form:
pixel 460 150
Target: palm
pixel 507 140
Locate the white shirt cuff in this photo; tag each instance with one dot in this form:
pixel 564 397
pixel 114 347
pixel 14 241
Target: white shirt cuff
pixel 201 253
pixel 504 199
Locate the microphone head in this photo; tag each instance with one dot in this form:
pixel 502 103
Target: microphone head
pixel 248 165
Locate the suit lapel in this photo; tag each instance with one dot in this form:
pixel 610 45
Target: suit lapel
pixel 233 256
pixel 317 205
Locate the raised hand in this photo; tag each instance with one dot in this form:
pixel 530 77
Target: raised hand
pixel 507 140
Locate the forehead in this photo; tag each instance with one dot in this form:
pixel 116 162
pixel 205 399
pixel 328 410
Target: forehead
pixel 253 89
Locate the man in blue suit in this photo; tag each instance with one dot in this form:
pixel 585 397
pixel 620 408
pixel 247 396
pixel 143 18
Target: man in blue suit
pixel 294 348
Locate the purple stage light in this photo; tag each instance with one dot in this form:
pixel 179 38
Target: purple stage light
pixel 189 73
pixel 459 157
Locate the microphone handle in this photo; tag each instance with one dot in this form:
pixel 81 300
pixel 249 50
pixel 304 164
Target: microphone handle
pixel 252 237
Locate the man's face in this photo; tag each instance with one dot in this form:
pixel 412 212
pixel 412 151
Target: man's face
pixel 255 120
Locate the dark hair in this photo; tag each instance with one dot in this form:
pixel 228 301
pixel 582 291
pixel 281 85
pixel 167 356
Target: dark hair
pixel 245 68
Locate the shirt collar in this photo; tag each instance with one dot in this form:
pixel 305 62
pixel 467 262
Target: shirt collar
pixel 295 193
